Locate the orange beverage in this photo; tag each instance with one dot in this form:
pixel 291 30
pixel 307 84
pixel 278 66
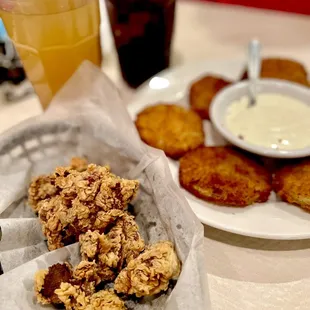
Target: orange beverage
pixel 52 38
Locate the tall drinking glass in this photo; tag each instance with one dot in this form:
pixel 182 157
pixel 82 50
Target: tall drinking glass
pixel 53 37
pixel 142 32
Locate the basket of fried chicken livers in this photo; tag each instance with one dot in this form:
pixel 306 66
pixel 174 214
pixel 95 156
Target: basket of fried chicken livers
pixel 90 217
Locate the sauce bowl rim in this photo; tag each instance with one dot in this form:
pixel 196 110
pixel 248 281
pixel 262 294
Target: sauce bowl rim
pixel 222 100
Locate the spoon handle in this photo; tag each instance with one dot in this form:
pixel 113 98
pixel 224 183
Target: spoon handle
pixel 254 60
pixel 254 68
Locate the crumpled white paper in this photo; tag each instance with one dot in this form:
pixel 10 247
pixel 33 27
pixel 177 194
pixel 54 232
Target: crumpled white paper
pixel 88 118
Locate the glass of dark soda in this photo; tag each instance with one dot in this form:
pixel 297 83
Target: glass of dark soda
pixel 142 32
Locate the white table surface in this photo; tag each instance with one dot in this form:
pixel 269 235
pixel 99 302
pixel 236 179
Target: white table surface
pixel 243 273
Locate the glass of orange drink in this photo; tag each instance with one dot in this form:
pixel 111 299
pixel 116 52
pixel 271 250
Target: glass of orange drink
pixel 53 37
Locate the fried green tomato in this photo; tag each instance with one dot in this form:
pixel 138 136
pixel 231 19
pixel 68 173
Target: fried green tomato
pixel 224 176
pixel 203 91
pixel 170 128
pixel 292 183
pixel 283 69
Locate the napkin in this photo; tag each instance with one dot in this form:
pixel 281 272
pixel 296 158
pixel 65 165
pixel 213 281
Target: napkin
pixel 88 118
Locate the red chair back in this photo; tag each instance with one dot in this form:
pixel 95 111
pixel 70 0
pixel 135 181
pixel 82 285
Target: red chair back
pixel 294 6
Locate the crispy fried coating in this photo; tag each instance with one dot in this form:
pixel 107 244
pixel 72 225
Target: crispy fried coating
pixel 224 176
pixel 170 128
pixel 43 187
pixel 93 247
pixel 75 299
pixel 62 224
pixel 203 91
pixel 150 272
pixel 86 275
pixel 283 69
pixel 127 231
pixel 75 290
pixel 38 287
pixel 97 184
pixel 119 246
pixel 47 281
pixel 86 200
pixel 105 300
pixel 292 183
pixel 72 296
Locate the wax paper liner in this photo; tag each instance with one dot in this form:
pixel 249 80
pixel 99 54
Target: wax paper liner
pixel 88 118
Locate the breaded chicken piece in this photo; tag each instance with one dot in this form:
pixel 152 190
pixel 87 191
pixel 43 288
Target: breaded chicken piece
pixel 203 91
pixel 170 128
pixel 44 187
pixel 105 300
pixel 86 200
pixel 86 275
pixel 150 272
pixel 41 187
pixel 47 281
pixel 74 298
pixel 283 69
pixel 224 176
pixel 113 250
pixel 292 183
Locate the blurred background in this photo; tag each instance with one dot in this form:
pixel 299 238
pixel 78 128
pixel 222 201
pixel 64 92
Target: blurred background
pixel 193 30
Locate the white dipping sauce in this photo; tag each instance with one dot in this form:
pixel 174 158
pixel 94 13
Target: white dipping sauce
pixel 275 121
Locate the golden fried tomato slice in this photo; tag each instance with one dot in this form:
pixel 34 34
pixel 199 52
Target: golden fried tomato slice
pixel 292 183
pixel 170 128
pixel 224 176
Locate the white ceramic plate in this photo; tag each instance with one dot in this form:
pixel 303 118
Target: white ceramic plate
pixel 271 220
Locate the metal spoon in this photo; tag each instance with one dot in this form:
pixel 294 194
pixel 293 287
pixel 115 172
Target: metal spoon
pixel 254 67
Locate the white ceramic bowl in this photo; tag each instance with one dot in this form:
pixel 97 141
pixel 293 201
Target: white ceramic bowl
pixel 220 104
